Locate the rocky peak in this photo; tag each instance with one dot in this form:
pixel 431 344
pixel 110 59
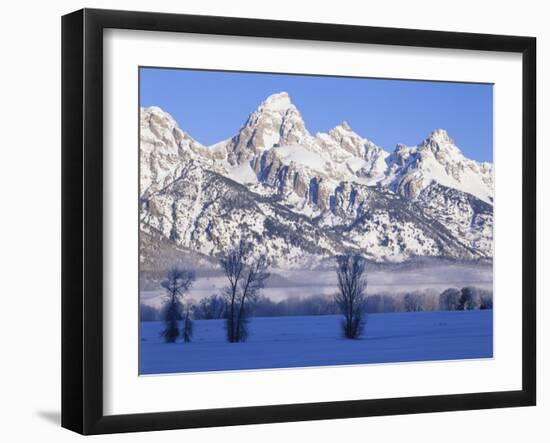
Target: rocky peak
pixel 441 144
pixel 345 138
pixel 440 136
pixel 157 121
pixel 164 148
pixel 279 102
pixel 275 122
pixel 343 127
pixel 437 158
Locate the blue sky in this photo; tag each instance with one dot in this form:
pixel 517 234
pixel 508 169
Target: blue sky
pixel 212 105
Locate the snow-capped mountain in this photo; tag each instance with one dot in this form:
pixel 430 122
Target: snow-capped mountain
pixel 301 198
pixel 276 122
pixel 412 169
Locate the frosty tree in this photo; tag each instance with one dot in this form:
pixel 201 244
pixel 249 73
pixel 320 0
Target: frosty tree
pixel 469 299
pixel 177 282
pixel 413 302
pixel 211 307
pixel 351 298
pixel 187 329
pixel 449 300
pixel 246 277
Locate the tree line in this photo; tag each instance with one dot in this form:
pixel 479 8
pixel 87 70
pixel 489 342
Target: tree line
pixel 213 306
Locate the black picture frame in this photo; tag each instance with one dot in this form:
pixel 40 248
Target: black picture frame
pixel 82 218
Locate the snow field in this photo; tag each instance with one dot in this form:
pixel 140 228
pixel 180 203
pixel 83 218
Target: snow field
pixel 289 342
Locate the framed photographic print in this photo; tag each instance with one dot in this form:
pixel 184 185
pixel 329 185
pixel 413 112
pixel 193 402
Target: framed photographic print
pixel 269 221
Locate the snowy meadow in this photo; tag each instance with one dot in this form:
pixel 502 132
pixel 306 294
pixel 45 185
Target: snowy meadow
pixel 286 342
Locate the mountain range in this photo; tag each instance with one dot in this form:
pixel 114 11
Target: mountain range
pixel 302 198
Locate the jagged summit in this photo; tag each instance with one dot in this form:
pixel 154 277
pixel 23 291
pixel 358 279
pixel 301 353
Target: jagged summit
pixel 343 126
pixel 160 116
pixel 443 146
pixel 439 141
pixel 277 102
pixel 153 109
pixel 411 169
pixel 440 135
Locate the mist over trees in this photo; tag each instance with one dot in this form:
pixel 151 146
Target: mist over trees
pixel 352 293
pixel 241 298
pixel 177 282
pixel 246 276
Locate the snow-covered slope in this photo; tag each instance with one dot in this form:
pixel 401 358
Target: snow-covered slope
pixel 205 212
pixel 466 217
pixel 302 198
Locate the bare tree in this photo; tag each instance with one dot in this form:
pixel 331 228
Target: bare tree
pixel 187 330
pixel 486 300
pixel 413 302
pixel 352 296
pixel 253 282
pixel 233 266
pixel 449 299
pixel 177 282
pixel 209 308
pixel 246 277
pixel 469 299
